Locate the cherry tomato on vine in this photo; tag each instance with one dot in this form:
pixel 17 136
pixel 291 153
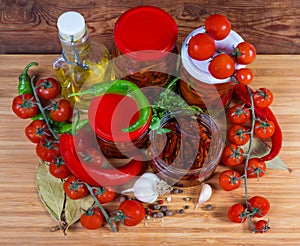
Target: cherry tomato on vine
pixel 92 219
pixel 58 168
pixel 262 98
pixel 245 53
pixel 47 88
pixel 104 195
pixel 61 110
pixel 259 205
pixel 244 76
pixel 134 212
pixel 232 155
pixel 264 129
pixel 37 130
pixel 229 180
pixel 238 114
pixel 238 135
pixel 256 168
pixel 47 149
pixel 84 138
pixel 262 226
pixel 74 189
pixel 24 106
pixel 201 47
pixel 217 26
pixel 221 66
pixel 91 156
pixel 237 213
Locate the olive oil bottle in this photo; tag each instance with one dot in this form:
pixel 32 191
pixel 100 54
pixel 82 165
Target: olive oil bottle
pixel 82 62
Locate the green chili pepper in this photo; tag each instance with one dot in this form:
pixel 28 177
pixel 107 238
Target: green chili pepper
pixel 64 127
pixel 126 88
pixel 24 85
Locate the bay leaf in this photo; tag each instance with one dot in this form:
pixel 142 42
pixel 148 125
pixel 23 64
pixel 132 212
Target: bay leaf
pixel 51 191
pixel 73 209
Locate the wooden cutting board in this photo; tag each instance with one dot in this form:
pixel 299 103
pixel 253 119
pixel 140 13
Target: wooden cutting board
pixel 25 221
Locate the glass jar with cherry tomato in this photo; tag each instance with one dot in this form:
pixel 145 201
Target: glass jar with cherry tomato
pixel 206 76
pixel 145 46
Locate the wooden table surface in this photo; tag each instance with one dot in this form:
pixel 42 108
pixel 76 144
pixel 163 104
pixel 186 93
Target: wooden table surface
pixel 25 221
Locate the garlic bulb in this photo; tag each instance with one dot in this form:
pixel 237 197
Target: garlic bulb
pixel 205 194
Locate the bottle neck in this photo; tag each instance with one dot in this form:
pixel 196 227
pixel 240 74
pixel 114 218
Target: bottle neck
pixel 76 51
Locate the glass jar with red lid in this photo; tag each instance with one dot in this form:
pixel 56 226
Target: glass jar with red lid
pixel 145 46
pixel 109 115
pixel 197 85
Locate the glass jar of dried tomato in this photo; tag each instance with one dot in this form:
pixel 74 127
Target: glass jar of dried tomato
pixel 189 153
pixel 145 42
pixel 197 85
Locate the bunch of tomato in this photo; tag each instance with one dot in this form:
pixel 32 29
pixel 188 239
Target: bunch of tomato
pixel 202 46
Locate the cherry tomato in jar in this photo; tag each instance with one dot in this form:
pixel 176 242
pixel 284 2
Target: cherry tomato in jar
pixel 232 155
pixel 264 129
pixel 74 189
pixel 61 110
pixel 238 114
pixel 229 180
pixel 47 88
pixel 24 106
pixel 47 149
pixel 256 168
pixel 58 168
pixel 259 205
pixel 245 53
pixel 262 98
pixel 244 76
pixel 217 26
pixel 222 66
pixel 37 131
pixel 104 195
pixel 238 135
pixel 91 156
pixel 92 219
pixel 262 226
pixel 201 47
pixel 134 212
pixel 237 213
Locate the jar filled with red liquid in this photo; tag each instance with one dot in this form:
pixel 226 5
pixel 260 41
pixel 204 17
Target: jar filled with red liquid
pixel 197 85
pixel 145 46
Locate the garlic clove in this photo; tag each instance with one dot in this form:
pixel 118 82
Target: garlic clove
pixel 205 195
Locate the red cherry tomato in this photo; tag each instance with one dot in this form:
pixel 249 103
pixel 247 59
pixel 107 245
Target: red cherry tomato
pixel 256 168
pixel 217 26
pixel 84 138
pixel 259 205
pixel 246 53
pixel 104 195
pixel 237 213
pixel 134 212
pixel 238 114
pixel 264 129
pixel 47 149
pixel 24 106
pixel 238 135
pixel 74 189
pixel 262 98
pixel 244 76
pixel 229 180
pixel 58 168
pixel 61 110
pixel 222 66
pixel 201 47
pixel 48 88
pixel 232 155
pixel 91 156
pixel 262 226
pixel 92 219
pixel 37 130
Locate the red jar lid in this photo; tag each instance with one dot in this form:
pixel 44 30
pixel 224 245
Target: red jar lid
pixel 145 28
pixel 110 113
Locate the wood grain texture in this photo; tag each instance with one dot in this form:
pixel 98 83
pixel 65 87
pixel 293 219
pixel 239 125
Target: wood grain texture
pixel 29 26
pixel 24 220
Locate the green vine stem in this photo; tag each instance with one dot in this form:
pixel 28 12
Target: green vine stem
pixel 38 102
